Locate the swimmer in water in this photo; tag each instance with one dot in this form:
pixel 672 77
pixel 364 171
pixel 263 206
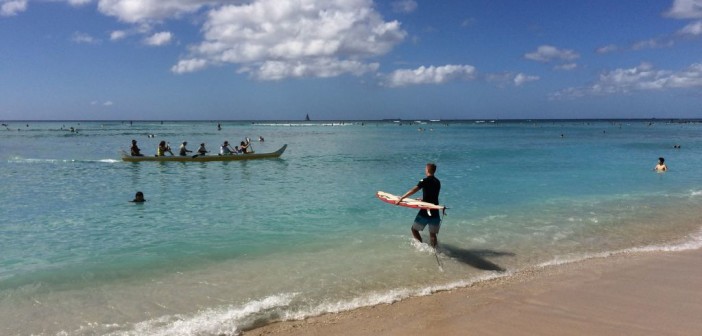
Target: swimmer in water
pixel 139 197
pixel 661 167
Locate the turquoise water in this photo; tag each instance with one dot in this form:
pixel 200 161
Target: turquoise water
pixel 223 246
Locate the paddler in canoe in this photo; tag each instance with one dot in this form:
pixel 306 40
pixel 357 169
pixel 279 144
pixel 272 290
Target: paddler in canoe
pixel 202 150
pixel 183 150
pixel 225 149
pixel 136 151
pixel 163 148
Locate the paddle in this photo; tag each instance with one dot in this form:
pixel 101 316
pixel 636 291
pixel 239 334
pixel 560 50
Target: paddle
pixel 196 155
pixel 249 147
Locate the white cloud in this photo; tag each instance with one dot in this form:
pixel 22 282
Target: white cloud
pixel 429 75
pixel 681 10
pixel 143 28
pixel 159 39
pixel 566 66
pixel 77 3
pixel 501 79
pixel 685 9
pixel 505 79
pixel 106 103
pixel 468 22
pixel 547 53
pixel 118 35
pixel 521 78
pixel 84 38
pixel 404 6
pixel 317 38
pixel 692 29
pixel 189 65
pixel 641 78
pixel 131 11
pixel 625 80
pixel 13 7
pixel 265 38
pixel 654 43
pixel 276 70
pixel 607 49
pixel 135 11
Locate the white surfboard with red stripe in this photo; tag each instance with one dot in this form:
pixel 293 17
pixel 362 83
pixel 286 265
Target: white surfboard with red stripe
pixel 407 202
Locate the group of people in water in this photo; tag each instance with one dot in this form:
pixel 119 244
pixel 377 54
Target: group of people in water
pixel 164 147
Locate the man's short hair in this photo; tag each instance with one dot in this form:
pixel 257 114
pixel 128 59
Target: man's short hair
pixel 432 167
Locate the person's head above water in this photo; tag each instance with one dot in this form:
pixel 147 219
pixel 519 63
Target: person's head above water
pixel 138 197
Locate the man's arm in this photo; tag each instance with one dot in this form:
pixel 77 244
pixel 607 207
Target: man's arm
pixel 407 194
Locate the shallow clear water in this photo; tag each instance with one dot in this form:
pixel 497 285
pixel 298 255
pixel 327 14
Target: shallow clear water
pixel 222 246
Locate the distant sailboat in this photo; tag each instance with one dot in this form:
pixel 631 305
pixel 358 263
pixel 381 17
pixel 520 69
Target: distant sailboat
pixel 307 117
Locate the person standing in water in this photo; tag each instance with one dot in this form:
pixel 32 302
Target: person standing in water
pixel 430 186
pixel 661 167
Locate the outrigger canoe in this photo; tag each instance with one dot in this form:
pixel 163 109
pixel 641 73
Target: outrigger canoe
pixel 205 158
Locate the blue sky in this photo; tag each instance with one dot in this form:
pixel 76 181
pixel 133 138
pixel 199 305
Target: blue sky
pixel 349 59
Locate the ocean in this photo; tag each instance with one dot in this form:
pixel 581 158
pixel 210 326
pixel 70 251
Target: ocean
pixel 221 247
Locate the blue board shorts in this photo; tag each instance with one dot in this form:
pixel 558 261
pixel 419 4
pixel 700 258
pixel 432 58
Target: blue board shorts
pixel 434 223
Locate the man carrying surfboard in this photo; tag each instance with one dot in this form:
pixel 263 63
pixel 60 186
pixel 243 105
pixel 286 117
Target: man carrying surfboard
pixel 430 186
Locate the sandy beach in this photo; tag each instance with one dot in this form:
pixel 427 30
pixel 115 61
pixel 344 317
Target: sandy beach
pixel 655 293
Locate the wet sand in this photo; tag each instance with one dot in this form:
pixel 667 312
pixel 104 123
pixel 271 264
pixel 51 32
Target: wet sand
pixel 656 293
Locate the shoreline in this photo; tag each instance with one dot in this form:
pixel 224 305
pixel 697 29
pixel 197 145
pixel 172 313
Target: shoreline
pixel 633 293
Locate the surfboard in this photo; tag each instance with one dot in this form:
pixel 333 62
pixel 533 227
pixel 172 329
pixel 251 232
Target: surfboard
pixel 407 202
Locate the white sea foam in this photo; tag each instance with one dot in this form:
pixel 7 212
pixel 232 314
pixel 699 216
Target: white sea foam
pixel 17 159
pixel 376 298
pixel 693 242
pixel 421 247
pixel 303 124
pixel 694 193
pixel 215 321
pixel 233 320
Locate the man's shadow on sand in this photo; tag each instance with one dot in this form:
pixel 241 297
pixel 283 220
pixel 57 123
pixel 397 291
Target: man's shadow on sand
pixel 475 258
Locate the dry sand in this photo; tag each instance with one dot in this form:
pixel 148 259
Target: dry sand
pixel 658 293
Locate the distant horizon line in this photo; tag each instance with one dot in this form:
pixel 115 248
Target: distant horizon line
pixel 351 120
